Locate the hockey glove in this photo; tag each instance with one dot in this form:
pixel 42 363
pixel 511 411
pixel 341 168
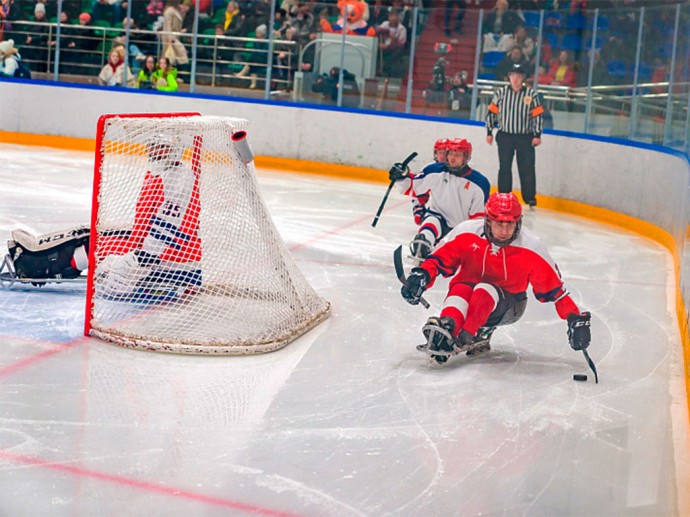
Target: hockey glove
pixel 416 284
pixel 398 172
pixel 579 334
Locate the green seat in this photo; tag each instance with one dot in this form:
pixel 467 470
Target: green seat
pixel 102 23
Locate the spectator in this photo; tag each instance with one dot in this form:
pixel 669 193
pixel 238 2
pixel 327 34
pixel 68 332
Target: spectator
pixel 187 11
pixel 9 59
pixel 257 56
pixel 234 24
pixel 516 111
pixel 146 79
pixel 435 94
pixel 327 85
pixel 165 77
pixel 109 10
pixel 140 44
pixel 112 74
pixel 36 44
pixel 378 13
pixel 77 42
pixel 501 20
pixel 173 49
pixel 459 96
pixel 392 39
pixel 506 65
pixel 448 15
pixel 543 76
pixel 154 9
pixel 5 15
pixel 281 24
pixel 561 72
pixel 85 37
pixel 519 38
pixel 304 29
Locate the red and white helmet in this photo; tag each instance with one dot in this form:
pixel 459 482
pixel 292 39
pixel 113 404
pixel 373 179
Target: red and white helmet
pixel 441 144
pixel 462 145
pixel 503 207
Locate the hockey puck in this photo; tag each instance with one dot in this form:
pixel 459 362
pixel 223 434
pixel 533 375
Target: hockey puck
pixel 579 377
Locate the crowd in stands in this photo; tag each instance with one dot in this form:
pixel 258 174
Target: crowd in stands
pixel 83 23
pixel 161 29
pixel 511 28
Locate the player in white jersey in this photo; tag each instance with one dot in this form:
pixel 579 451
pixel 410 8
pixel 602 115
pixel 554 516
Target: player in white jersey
pixel 420 200
pixel 457 193
pixel 163 245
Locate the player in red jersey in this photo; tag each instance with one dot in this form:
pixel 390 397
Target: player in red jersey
pixel 492 262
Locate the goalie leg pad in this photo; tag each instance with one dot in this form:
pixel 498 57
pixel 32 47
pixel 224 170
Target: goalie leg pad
pixel 51 263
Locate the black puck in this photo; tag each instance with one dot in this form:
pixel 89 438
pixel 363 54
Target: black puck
pixel 579 377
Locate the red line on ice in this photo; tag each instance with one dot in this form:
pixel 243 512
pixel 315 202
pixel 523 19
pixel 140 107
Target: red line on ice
pixel 23 363
pixel 142 485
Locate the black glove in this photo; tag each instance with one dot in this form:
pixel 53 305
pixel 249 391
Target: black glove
pixel 579 334
pixel 416 285
pixel 398 172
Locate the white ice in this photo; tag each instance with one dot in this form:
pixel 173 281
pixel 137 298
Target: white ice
pixel 350 419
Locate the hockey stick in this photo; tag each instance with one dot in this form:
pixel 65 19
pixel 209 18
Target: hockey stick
pixel 400 271
pixel 592 366
pixel 388 191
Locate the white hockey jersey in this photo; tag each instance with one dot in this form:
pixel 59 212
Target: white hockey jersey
pixel 456 196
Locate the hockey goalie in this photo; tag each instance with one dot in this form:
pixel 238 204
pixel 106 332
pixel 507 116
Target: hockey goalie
pixel 156 257
pixel 160 255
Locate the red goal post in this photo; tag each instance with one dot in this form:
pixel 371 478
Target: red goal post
pixel 184 256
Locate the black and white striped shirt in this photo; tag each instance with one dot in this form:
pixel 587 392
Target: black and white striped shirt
pixel 515 112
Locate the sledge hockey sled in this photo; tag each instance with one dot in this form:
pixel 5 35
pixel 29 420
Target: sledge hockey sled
pixel 481 343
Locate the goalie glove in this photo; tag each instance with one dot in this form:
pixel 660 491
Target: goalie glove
pixel 579 334
pixel 122 273
pixel 415 286
pixel 398 172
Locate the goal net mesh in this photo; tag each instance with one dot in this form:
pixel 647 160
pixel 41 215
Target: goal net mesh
pixel 184 254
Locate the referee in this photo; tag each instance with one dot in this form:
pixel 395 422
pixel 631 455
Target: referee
pixel 517 113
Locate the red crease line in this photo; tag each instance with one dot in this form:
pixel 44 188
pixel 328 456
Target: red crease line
pixel 142 485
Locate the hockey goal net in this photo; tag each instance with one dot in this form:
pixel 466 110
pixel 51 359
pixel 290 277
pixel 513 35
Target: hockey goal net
pixel 184 255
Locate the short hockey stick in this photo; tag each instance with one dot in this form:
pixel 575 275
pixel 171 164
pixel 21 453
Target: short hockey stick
pixel 400 271
pixel 388 191
pixel 592 366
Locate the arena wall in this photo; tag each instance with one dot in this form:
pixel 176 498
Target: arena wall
pixel 641 181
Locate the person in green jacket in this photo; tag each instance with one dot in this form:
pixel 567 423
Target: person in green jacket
pixel 145 80
pixel 166 76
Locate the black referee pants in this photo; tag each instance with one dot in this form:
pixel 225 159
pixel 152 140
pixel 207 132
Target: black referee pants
pixel 510 144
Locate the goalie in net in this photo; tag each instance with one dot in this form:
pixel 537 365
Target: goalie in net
pixel 161 254
pixel 185 256
pixel 158 256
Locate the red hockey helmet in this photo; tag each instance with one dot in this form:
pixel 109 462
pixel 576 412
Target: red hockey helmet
pixel 462 145
pixel 503 207
pixel 441 144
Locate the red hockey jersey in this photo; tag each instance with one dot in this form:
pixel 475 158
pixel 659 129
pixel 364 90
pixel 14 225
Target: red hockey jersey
pixel 472 258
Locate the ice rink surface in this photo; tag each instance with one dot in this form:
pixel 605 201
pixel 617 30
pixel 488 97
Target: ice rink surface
pixel 350 419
